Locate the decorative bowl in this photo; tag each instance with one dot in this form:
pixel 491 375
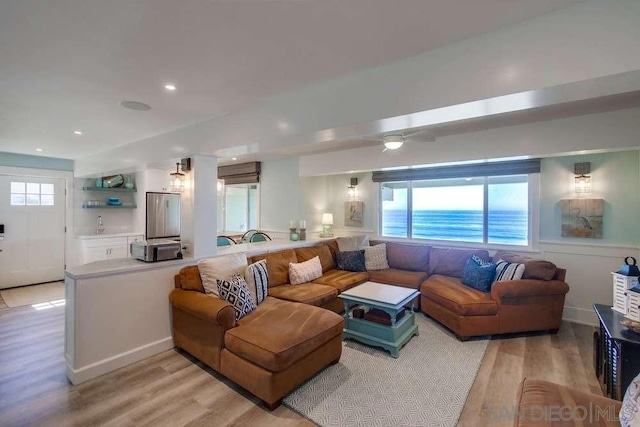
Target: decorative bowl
pixel 632 325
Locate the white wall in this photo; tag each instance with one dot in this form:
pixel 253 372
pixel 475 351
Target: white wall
pixel 280 195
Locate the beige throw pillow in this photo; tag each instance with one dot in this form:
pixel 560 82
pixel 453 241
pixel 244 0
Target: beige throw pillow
pixel 375 257
pixel 222 268
pixel 304 272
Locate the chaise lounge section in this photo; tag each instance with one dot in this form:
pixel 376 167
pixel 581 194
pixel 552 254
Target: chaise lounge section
pixel 269 352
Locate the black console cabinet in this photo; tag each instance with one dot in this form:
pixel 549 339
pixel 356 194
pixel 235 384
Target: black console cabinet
pixel 616 353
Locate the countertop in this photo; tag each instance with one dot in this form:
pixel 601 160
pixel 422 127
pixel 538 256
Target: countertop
pixel 107 235
pixel 127 265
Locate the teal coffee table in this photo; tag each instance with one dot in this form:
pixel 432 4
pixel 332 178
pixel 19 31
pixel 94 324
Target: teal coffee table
pixel 390 299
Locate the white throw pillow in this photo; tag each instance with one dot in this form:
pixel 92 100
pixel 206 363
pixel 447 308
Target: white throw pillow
pixel 304 272
pixel 375 257
pixel 352 243
pixel 223 268
pixel 508 271
pixel 630 410
pixel 257 280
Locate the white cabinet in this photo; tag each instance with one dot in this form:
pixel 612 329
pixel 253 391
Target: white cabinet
pixel 102 248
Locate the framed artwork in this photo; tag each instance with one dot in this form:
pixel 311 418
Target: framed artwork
pixel 353 214
pixel 582 218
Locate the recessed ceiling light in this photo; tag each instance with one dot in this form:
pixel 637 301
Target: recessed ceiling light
pixel 39 150
pixel 468 179
pixel 77 132
pixel 135 105
pixel 170 87
pixel 234 158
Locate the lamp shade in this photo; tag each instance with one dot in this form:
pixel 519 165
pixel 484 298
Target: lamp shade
pixel 327 219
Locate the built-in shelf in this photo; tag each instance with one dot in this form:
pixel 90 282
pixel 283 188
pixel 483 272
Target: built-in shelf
pixel 106 206
pixel 117 189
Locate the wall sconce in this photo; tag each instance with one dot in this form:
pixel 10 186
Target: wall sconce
pixel 352 190
pixel 177 180
pixel 327 222
pixel 177 177
pixel 583 181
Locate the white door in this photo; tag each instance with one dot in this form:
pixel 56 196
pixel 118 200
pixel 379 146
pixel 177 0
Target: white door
pixel 32 210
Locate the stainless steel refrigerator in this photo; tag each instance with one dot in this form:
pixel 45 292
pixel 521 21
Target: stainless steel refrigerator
pixel 163 215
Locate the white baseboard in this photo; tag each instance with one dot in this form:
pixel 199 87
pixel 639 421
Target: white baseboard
pixel 86 373
pixel 580 315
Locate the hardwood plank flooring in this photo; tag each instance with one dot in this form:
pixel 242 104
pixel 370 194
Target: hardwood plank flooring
pixel 174 389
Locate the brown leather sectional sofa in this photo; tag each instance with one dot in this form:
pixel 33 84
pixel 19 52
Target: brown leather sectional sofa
pixel 269 353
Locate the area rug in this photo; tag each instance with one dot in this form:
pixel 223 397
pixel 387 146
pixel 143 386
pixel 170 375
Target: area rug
pixel 34 294
pixel 427 385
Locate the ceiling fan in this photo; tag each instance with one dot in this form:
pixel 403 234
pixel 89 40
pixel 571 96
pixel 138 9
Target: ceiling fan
pixel 395 140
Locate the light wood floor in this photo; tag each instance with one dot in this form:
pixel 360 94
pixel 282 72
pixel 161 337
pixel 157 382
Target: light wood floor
pixel 173 389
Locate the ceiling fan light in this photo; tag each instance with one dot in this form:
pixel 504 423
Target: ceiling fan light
pixel 393 145
pixel 393 142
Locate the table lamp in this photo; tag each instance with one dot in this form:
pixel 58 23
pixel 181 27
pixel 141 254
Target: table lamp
pixel 327 222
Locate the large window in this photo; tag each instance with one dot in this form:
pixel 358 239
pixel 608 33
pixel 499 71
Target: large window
pixel 237 207
pixel 488 210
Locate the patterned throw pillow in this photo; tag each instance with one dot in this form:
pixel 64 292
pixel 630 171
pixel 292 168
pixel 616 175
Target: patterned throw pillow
pixel 352 243
pixel 236 292
pixel 630 410
pixel 304 272
pixel 478 274
pixel 508 271
pixel 375 257
pixel 257 280
pixel 351 260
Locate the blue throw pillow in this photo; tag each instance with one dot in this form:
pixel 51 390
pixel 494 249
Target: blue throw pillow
pixel 351 260
pixel 479 274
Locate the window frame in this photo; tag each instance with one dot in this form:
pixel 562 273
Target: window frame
pixel 26 193
pixel 223 211
pixel 533 216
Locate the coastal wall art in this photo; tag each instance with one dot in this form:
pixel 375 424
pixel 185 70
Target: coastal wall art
pixel 353 213
pixel 582 218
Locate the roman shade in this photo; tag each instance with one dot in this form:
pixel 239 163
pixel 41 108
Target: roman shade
pixel 244 173
pixel 515 167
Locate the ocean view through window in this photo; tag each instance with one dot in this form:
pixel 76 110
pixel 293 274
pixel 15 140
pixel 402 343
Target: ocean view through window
pixel 489 210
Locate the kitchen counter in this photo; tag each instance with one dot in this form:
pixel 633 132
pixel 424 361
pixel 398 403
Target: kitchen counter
pixel 106 235
pixel 125 265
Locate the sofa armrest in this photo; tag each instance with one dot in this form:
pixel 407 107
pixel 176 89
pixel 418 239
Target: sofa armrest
pixel 205 307
pixel 527 288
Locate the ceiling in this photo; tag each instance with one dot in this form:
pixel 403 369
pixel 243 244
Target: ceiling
pixel 66 65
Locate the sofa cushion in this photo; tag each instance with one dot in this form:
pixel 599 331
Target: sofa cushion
pixel 351 260
pixel 450 293
pixel 404 278
pixel 257 279
pixel 451 262
pixel 536 398
pixel 236 292
pixel 309 293
pixel 190 279
pixel 403 256
pixel 326 257
pixel 479 274
pixel 533 268
pixel 506 271
pixel 375 257
pixel 278 265
pixel 279 333
pixel 220 268
pixel 352 243
pixel 304 272
pixel 342 280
